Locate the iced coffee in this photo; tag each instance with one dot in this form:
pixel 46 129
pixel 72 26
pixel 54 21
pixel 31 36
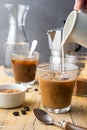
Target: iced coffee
pixel 57 87
pixel 79 59
pixel 24 67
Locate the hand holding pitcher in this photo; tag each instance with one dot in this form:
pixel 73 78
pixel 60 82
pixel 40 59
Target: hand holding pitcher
pixel 80 4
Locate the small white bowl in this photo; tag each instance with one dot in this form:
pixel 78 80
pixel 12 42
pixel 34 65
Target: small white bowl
pixel 12 100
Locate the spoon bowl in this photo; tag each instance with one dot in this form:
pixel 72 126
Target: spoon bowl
pixel 43 116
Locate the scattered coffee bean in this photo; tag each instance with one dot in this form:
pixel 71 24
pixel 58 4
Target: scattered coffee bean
pixel 16 113
pixel 23 112
pixel 26 108
pixel 35 89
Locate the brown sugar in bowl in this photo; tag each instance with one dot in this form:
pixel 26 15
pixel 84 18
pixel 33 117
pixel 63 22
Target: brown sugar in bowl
pixel 12 95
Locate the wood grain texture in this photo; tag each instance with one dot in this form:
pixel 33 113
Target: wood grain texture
pixel 77 114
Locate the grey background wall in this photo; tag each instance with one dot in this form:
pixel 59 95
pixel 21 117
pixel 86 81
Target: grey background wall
pixel 42 16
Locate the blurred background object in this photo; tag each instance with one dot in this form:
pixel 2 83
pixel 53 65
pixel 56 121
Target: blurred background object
pixel 44 15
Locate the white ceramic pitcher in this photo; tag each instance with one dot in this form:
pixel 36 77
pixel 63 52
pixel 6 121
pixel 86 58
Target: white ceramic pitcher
pixel 75 28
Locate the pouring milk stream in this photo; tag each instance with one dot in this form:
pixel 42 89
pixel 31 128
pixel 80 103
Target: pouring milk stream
pixel 75 30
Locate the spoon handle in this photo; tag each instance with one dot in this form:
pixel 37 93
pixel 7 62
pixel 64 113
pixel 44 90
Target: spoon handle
pixel 61 124
pixel 34 44
pixel 70 126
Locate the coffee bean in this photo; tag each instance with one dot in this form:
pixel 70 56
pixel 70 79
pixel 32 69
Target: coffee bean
pixel 23 112
pixel 16 113
pixel 35 89
pixel 26 108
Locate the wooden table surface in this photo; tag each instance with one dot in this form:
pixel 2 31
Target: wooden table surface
pixel 77 114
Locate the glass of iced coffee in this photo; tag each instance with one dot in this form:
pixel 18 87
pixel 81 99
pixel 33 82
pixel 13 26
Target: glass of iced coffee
pixel 57 86
pixel 24 67
pixel 79 59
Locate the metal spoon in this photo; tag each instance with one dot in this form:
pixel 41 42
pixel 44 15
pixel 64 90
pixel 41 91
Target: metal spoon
pixel 46 118
pixel 33 47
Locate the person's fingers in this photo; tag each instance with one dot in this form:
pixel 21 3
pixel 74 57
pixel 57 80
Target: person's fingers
pixel 79 4
pixel 85 4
